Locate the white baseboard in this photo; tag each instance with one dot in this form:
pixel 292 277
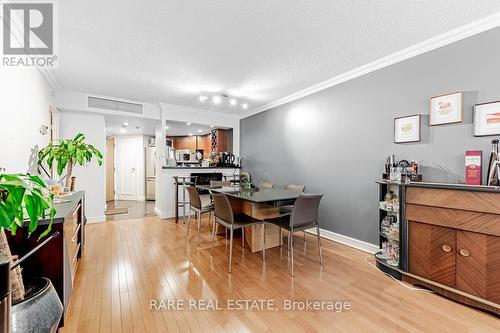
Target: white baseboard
pixel 96 219
pixel 346 240
pixel 141 198
pixel 158 212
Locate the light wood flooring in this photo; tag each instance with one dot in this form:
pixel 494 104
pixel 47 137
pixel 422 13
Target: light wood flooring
pixel 128 263
pixel 135 209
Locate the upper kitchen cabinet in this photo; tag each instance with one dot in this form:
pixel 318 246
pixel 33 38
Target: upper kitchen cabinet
pixel 184 142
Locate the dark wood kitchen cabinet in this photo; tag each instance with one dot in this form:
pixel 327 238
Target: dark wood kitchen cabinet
pixel 184 142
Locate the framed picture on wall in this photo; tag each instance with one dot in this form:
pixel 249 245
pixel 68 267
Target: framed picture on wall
pixel 407 129
pixel 487 119
pixel 446 109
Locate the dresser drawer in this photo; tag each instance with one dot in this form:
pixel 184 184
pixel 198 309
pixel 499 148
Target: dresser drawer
pixel 473 201
pixel 488 224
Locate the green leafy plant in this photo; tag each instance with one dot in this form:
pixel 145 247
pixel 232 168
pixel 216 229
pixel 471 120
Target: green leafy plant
pixel 20 193
pixel 22 196
pixel 65 153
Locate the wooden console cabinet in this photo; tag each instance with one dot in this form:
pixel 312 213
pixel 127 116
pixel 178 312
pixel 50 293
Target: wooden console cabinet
pixel 57 260
pixel 454 242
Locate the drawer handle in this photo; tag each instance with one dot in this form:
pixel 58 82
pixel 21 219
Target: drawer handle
pixel 464 252
pixel 446 248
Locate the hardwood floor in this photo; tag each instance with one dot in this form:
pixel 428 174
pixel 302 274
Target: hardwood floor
pixel 135 209
pixel 128 263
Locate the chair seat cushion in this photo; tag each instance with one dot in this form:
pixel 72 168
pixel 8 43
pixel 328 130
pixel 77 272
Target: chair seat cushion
pixel 207 208
pixel 241 220
pixel 283 221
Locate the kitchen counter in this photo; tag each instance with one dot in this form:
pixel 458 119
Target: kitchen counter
pixel 165 191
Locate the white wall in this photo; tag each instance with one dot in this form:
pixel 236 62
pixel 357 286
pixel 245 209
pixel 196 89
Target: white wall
pixel 25 99
pixel 92 177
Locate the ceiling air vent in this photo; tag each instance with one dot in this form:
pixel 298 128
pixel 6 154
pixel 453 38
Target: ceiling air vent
pixel 113 105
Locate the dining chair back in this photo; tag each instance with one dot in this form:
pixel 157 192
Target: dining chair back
pixel 222 208
pixel 194 197
pixel 305 209
pixel 295 188
pixel 266 184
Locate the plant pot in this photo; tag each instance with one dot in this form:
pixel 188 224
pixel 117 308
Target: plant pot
pixel 39 311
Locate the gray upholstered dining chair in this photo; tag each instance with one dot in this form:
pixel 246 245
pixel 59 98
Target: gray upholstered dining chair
pixel 224 216
pixel 304 215
pixel 286 207
pixel 195 205
pixel 265 184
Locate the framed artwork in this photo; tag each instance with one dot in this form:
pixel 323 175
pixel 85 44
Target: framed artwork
pixel 407 129
pixel 446 109
pixel 487 119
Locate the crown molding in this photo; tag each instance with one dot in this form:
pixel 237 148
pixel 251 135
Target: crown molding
pixel 452 36
pixel 166 106
pixel 54 83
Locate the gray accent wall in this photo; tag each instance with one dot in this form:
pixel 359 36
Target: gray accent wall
pixel 336 141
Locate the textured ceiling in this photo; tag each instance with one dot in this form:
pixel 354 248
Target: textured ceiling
pixel 168 51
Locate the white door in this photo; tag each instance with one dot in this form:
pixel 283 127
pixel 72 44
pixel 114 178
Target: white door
pixel 127 163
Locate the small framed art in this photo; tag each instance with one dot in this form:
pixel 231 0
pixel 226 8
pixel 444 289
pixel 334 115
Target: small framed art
pixel 487 119
pixel 446 109
pixel 407 129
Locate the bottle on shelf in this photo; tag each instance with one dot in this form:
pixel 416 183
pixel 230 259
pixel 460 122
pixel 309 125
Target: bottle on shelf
pixel 493 177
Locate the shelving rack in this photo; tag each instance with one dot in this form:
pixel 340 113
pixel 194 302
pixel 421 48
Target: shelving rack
pixel 382 264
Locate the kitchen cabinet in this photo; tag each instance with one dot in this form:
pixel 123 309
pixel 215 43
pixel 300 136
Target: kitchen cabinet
pixel 204 143
pixel 184 142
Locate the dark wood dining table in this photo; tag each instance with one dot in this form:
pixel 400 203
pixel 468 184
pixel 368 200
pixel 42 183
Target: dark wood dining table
pixel 260 204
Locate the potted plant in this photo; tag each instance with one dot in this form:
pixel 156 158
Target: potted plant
pixel 27 196
pixel 65 153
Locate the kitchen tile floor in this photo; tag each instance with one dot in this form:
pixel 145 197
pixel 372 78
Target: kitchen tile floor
pixel 136 209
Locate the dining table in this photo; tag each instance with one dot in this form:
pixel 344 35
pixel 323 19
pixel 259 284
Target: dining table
pixel 259 203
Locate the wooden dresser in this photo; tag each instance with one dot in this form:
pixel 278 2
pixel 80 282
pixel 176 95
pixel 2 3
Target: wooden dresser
pixel 453 242
pixel 58 259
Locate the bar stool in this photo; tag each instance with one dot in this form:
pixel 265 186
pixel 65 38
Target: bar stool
pixel 182 181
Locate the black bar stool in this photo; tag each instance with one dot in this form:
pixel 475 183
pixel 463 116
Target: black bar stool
pixel 182 181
